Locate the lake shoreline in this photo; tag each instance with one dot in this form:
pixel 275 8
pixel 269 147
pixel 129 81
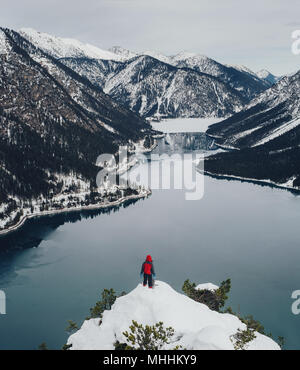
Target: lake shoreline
pixel 141 195
pixel 21 222
pixel 249 180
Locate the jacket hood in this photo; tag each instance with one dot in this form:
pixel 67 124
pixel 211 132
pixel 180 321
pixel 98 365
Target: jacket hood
pixel 148 258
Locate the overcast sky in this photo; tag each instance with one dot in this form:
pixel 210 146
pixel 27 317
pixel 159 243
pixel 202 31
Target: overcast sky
pixel 255 33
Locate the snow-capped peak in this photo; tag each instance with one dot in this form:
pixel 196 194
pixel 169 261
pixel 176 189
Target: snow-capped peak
pixel 122 52
pixel 157 55
pixel 263 73
pixel 196 326
pixel 189 59
pixel 177 58
pixel 242 68
pixel 184 55
pixel 65 47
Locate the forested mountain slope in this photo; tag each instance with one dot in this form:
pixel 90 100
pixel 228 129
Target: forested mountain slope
pixel 54 123
pixel 265 137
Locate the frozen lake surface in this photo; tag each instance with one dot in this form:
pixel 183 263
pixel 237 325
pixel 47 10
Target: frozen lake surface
pixel 184 124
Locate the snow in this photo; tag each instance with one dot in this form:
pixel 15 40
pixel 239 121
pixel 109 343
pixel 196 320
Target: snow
pixel 290 182
pixel 174 59
pixel 66 47
pixel 247 132
pixel 122 52
pixel 216 92
pixel 184 55
pixel 108 128
pixel 4 47
pixel 268 76
pixel 207 286
pixel 176 125
pixel 263 73
pixel 157 55
pixel 67 200
pixel 280 131
pixel 196 326
pixel 242 68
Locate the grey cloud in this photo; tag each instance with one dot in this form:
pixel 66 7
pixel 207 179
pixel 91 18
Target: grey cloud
pixel 232 31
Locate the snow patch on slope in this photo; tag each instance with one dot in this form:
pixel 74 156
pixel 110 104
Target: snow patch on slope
pixel 242 68
pixel 280 131
pixel 196 326
pixel 4 47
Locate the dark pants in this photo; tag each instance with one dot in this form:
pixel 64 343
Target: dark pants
pixel 148 279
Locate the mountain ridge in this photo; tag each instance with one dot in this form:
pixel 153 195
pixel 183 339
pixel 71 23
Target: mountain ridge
pixel 264 138
pixel 104 72
pixel 60 47
pixel 48 115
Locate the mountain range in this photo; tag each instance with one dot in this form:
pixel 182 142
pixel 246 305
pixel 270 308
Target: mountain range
pixel 62 103
pixel 154 85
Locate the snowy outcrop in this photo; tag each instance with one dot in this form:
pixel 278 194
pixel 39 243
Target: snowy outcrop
pixel 196 326
pixel 207 286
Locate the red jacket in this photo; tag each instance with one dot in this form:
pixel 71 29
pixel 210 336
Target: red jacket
pixel 147 266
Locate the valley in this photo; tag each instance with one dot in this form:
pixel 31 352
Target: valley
pixel 64 102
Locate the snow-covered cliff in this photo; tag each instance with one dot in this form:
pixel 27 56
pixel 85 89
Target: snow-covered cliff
pixel 196 326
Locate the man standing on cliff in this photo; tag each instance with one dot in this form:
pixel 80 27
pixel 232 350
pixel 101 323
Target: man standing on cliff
pixel 148 272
